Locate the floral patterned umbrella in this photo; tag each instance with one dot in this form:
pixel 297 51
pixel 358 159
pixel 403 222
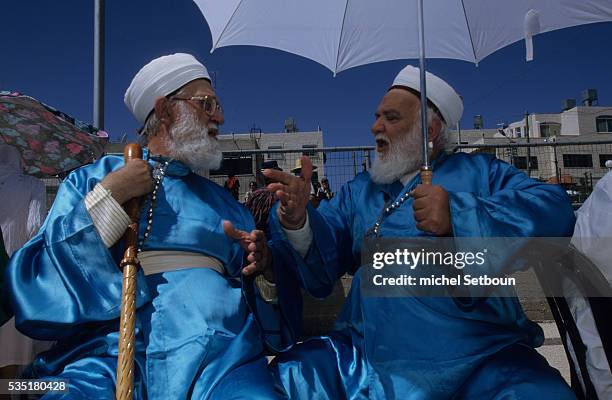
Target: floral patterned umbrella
pixel 51 143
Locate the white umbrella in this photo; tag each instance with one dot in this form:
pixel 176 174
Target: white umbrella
pixel 342 34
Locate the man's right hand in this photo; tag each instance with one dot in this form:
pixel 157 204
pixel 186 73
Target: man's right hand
pixel 293 193
pixel 132 180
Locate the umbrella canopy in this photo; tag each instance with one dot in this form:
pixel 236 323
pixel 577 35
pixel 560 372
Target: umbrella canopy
pixel 342 34
pixel 51 143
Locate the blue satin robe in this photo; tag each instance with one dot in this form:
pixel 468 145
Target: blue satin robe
pixel 425 348
pixel 195 328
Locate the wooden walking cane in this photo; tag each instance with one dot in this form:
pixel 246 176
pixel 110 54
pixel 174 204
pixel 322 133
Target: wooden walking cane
pixel 129 265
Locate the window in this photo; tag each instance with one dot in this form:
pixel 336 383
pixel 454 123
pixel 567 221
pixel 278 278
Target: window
pixel 517 131
pixel 603 158
pixel 549 129
pixel 520 162
pixel 236 165
pixel 310 153
pixel 577 161
pixel 276 156
pixel 604 123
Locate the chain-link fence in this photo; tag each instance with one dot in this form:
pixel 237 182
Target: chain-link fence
pixel 577 166
pixel 338 164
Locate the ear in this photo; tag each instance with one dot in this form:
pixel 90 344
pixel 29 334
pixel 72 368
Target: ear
pixel 434 129
pixel 162 111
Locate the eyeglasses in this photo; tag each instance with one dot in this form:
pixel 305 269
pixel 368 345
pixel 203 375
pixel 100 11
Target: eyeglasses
pixel 209 104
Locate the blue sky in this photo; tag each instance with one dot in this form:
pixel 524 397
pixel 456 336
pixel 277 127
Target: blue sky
pixel 47 52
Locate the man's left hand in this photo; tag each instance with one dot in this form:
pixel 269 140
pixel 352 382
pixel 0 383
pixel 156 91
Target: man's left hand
pixel 431 209
pixel 258 253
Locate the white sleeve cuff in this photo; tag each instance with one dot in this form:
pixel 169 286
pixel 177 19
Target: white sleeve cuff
pixel 300 239
pixel 266 289
pixel 108 216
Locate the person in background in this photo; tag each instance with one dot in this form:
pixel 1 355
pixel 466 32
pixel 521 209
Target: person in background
pixel 593 237
pixel 261 202
pixel 22 213
pixel 233 185
pixel 324 192
pixel 5 312
pixel 249 193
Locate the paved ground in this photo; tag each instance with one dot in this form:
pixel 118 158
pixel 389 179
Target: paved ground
pixel 553 349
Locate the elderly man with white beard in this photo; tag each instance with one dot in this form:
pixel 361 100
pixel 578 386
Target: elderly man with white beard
pixel 200 317
pixel 416 347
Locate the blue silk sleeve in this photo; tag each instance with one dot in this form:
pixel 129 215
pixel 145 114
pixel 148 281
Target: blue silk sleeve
pixel 513 206
pixel 330 254
pixel 65 276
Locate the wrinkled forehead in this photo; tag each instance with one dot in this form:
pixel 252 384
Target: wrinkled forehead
pixel 399 100
pixel 410 95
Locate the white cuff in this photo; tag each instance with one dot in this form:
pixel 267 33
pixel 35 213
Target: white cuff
pixel 266 289
pixel 300 239
pixel 108 216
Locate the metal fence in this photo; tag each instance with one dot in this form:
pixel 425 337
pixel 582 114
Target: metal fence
pixel 577 166
pixel 337 164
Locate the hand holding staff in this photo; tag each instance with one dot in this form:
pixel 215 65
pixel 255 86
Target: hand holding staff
pixel 129 264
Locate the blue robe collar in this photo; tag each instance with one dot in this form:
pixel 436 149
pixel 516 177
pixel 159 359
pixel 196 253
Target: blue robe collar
pixel 175 167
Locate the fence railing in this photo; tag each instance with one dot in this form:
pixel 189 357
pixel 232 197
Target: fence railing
pixel 337 164
pixel 577 166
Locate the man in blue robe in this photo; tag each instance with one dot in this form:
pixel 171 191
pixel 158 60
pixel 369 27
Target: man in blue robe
pixel 417 347
pixel 200 319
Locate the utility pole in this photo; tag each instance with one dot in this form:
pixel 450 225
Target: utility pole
pixel 557 174
pixel 98 100
pixel 528 148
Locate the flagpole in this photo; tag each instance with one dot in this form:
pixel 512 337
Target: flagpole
pixel 98 100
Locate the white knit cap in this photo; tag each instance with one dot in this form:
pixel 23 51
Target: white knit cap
pixel 440 93
pixel 159 78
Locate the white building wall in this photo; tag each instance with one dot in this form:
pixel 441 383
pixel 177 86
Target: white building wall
pixel 576 121
pixel 569 122
pixel 283 141
pixel 290 141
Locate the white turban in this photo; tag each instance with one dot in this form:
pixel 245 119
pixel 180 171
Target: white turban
pixel 440 93
pixel 159 78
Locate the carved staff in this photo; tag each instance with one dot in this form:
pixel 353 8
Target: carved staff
pixel 129 265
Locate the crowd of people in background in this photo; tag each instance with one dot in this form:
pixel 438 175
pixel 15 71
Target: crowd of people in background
pixel 320 190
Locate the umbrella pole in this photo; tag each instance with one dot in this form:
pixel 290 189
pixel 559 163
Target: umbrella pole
pixel 426 171
pixel 129 265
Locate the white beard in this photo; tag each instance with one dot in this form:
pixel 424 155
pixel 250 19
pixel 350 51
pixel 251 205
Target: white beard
pixel 191 144
pixel 401 158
